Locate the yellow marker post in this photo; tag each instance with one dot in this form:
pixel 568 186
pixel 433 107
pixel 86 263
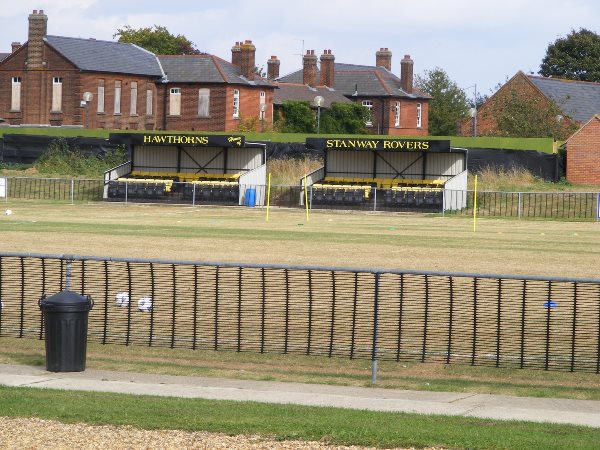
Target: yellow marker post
pixel 268 195
pixel 475 205
pixel 306 198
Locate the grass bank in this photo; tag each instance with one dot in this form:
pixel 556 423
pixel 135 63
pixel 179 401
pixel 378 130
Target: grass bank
pixel 539 144
pixel 284 422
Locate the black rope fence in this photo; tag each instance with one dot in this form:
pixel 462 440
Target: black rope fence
pixel 450 318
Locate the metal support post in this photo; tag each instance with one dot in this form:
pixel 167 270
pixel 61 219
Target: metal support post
pixel 72 191
pixel 194 194
pixel 519 205
pixel 375 330
pixel 374 199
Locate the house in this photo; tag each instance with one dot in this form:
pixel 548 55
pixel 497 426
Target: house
pixel 575 101
pixel 583 153
pixel 64 81
pixel 205 92
pixel 395 106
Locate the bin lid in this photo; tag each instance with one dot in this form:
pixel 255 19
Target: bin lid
pixel 66 301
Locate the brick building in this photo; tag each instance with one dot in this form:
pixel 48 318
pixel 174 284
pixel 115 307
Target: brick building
pixel 396 107
pixel 43 82
pixel 583 154
pixel 574 101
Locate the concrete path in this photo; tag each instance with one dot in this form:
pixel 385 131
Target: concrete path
pixel 579 412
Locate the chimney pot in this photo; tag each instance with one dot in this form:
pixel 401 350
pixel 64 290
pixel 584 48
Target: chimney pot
pixel 383 58
pixel 406 74
pixel 327 68
pixel 309 68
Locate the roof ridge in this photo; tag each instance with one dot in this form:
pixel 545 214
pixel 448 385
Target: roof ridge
pixel 90 40
pixel 564 80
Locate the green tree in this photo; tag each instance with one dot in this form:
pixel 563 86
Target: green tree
pixel 519 115
pixel 574 57
pixel 344 118
pixel 298 117
pixel 157 40
pixel 449 104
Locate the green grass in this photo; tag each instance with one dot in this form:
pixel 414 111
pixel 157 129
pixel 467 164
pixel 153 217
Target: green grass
pixel 285 422
pixel 540 144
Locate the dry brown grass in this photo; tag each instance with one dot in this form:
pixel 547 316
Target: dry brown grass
pixel 287 172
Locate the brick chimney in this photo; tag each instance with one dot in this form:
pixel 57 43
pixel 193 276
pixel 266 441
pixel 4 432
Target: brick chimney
pixel 406 74
pixel 15 46
pixel 309 68
pixel 248 62
pixel 38 28
pixel 383 58
pixel 327 68
pixel 236 54
pixel 273 68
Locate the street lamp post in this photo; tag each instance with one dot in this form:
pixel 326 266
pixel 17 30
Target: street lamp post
pixel 318 101
pixel 473 111
pixel 87 98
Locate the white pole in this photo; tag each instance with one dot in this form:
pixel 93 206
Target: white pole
pixel 72 190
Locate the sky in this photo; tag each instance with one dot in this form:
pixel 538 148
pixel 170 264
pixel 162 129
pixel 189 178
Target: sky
pixel 476 42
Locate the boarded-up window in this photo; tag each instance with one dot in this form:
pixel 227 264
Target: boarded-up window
pixel 133 101
pixel 149 99
pixel 203 102
pixel 117 97
pixel 15 102
pixel 262 107
pixel 236 103
pixel 56 94
pixel 175 102
pixel 419 112
pixel 100 96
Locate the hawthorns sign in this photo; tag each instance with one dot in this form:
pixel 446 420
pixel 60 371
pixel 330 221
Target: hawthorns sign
pixel 203 140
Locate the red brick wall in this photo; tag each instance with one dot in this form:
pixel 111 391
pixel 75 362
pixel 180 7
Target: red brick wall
pixel 383 121
pixel 583 154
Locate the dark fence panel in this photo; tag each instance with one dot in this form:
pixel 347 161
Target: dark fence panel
pixel 476 319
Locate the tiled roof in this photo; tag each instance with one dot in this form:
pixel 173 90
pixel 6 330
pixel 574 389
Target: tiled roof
pixel 3 56
pixel 364 80
pixel 579 100
pixel 205 68
pixel 302 92
pixel 106 56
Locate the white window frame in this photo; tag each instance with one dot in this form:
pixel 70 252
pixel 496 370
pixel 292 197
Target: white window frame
pixel 397 114
pixel 419 114
pixel 175 101
pixel 57 86
pixel 236 104
pixel 149 102
pixel 117 105
pixel 262 101
pixel 369 105
pixel 204 102
pixel 101 96
pixel 133 99
pixel 15 101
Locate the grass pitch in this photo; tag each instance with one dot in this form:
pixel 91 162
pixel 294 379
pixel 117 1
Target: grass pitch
pixel 357 239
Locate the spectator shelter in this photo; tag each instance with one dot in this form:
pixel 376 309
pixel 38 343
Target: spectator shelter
pixel 201 168
pixel 394 174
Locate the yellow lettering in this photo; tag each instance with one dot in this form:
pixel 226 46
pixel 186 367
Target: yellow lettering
pixel 425 145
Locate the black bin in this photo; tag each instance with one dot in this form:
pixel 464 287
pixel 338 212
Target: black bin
pixel 66 322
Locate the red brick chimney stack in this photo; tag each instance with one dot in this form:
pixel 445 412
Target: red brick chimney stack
pixel 248 59
pixel 38 28
pixel 327 68
pixel 406 74
pixel 309 68
pixel 15 46
pixel 236 55
pixel 273 68
pixel 383 58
